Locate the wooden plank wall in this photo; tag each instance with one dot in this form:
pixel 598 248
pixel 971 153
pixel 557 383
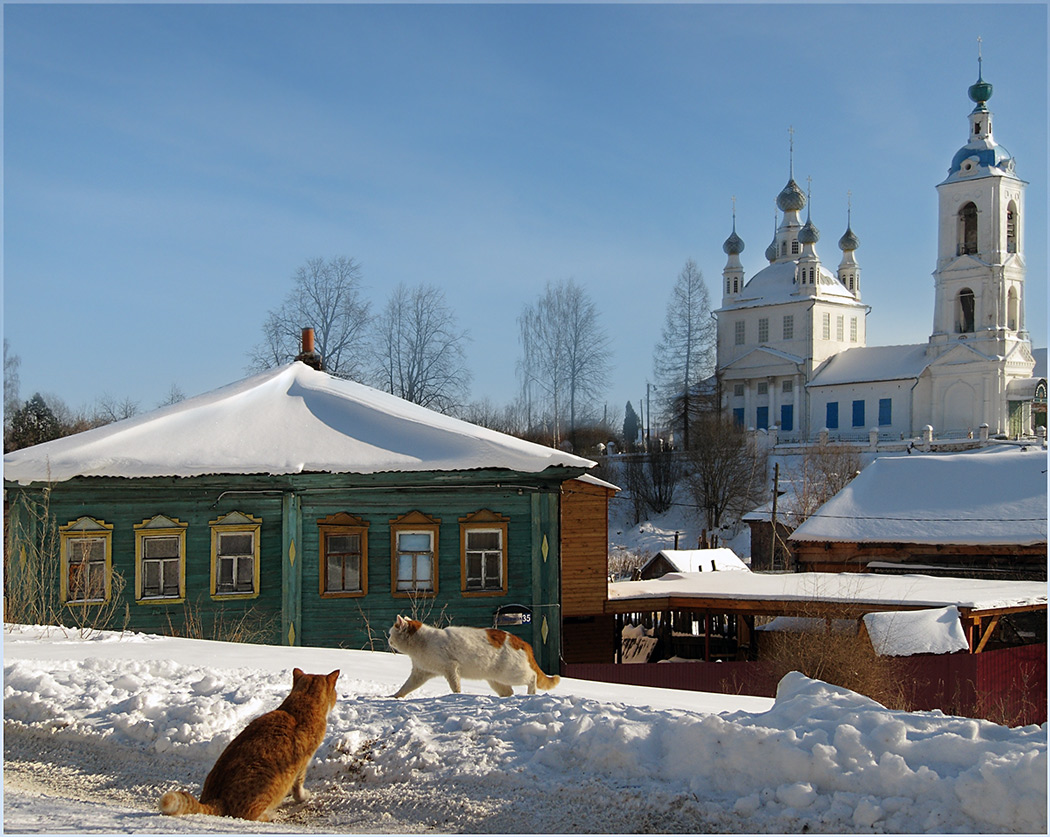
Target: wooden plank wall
pixel 585 548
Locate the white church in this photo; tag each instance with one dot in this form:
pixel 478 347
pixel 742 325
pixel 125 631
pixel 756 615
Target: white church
pixel 792 340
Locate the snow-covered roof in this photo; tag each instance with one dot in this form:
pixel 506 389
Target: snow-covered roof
pixel 872 363
pixel 288 420
pixel 904 633
pixel 881 591
pixel 994 495
pixel 776 284
pixel 704 560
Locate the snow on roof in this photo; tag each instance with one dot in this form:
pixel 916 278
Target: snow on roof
pixel 993 495
pixel 776 284
pixel 904 633
pixel 847 588
pixel 704 560
pixel 288 420
pixel 872 363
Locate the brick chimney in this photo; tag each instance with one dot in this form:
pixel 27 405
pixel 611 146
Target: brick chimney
pixel 309 355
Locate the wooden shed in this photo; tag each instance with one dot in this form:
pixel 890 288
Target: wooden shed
pixel 313 508
pixel 980 513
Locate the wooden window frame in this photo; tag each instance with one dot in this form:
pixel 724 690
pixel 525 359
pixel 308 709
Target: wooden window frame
pixel 412 523
pixel 85 528
pixel 483 521
pixel 342 523
pixel 235 523
pixel 159 526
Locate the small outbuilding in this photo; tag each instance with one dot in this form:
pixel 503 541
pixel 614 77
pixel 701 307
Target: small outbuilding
pixel 719 559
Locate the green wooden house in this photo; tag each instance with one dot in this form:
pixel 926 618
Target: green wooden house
pixel 313 508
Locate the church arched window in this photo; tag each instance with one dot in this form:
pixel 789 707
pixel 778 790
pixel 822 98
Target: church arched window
pixel 964 311
pixel 968 229
pixel 1011 228
pixel 736 285
pixel 794 248
pixel 1013 308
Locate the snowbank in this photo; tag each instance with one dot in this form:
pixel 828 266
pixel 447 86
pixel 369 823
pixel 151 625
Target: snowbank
pixel 819 758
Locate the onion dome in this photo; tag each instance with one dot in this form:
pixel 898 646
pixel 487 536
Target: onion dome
pixel 849 241
pixel 791 198
pixel 809 234
pixel 734 245
pixel 771 251
pixel 980 91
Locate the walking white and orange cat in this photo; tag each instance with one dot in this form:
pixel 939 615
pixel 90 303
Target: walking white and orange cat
pixel 455 653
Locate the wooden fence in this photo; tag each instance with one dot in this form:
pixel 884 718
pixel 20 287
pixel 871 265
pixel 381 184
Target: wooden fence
pixel 1007 685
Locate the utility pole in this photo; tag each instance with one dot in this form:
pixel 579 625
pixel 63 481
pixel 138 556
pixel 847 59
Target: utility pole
pixel 773 517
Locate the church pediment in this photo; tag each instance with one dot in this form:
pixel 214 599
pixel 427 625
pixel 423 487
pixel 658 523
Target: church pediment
pixel 761 358
pixel 961 353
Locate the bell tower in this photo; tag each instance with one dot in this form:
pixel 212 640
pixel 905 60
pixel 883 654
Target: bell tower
pixel 980 275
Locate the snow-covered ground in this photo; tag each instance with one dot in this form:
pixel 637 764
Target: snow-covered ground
pixel 95 729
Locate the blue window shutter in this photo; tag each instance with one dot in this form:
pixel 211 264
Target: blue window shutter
pixel 858 413
pixel 832 422
pixel 738 416
pixel 885 412
pixel 762 418
pixel 787 417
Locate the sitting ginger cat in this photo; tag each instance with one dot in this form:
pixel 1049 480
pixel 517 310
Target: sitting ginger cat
pixel 268 759
pixel 488 654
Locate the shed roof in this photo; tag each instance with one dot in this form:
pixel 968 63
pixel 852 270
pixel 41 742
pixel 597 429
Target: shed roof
pixel 289 420
pixel 702 560
pixel 864 591
pixel 991 496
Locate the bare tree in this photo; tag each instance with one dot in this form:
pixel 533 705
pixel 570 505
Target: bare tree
pixel 109 409
pixel 419 349
pixel 729 470
pixel 326 296
pixel 11 385
pixel 565 354
pixel 826 468
pixel 685 355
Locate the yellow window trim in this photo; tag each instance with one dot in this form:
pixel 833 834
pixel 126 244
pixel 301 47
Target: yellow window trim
pixel 81 529
pixel 159 526
pixel 239 522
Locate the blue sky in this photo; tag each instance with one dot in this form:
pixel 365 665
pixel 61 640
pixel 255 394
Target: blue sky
pixel 167 168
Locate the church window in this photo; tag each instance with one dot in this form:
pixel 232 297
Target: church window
pixel 1011 228
pixel 789 327
pixel 839 333
pixel 763 330
pixel 976 127
pixel 964 312
pixel 736 285
pixel 763 388
pixel 853 330
pixel 762 418
pixel 968 229
pixel 794 248
pixel 728 285
pixel 852 287
pixel 825 322
pixel 787 417
pixel 738 390
pixel 812 276
pixel 787 386
pixel 1012 309
pixel 832 415
pixel 885 412
pixel 858 413
pixel 783 248
pixel 739 332
pixel 738 416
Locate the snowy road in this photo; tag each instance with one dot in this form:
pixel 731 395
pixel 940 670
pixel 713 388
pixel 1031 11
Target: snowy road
pixel 96 729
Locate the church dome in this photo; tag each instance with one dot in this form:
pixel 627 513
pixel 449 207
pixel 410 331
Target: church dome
pixel 809 234
pixel 982 154
pixel 791 198
pixel 734 245
pixel 771 251
pixel 848 241
pixel 980 91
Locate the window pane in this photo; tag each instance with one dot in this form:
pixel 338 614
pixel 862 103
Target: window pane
pixel 413 541
pixel 353 574
pixel 423 570
pixel 150 578
pixel 473 567
pixel 492 569
pixel 160 547
pixel 171 578
pixel 334 575
pixel 483 540
pixel 344 543
pixel 225 574
pixel 244 574
pixel 404 572
pixel 236 543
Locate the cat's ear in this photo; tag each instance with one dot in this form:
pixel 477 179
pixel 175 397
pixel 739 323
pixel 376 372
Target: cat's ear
pixel 400 621
pixel 296 674
pixel 332 677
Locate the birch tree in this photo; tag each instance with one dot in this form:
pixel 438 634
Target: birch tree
pixel 565 357
pixel 327 297
pixel 419 349
pixel 685 354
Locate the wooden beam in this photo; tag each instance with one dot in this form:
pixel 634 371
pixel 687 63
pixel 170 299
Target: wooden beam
pixel 987 634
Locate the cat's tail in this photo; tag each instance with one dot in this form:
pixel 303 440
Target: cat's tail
pixel 546 681
pixel 174 803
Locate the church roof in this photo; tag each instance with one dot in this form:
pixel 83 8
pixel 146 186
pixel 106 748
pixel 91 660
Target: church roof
pixel 872 363
pixel 776 284
pixel 990 496
pixel 289 420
